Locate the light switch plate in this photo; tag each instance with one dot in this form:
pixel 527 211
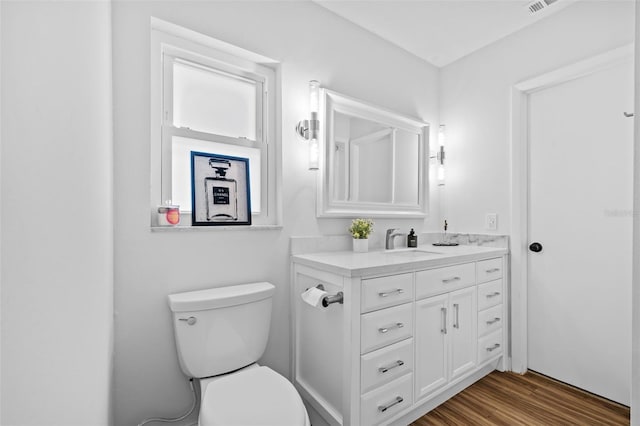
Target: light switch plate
pixel 491 221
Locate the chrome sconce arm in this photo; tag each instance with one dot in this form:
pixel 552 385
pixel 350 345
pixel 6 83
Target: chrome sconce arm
pixel 308 129
pixel 440 155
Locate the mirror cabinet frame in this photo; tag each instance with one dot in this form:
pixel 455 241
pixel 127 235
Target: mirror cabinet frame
pixel 327 206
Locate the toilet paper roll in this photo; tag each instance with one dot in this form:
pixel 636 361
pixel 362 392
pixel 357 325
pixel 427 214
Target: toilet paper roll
pixel 313 296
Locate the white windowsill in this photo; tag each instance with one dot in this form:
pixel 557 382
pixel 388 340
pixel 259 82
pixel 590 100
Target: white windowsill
pixel 188 228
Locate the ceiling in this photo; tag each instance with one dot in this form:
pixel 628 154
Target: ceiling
pixel 441 31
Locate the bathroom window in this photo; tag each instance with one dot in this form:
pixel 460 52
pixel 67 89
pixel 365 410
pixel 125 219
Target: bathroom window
pixel 213 98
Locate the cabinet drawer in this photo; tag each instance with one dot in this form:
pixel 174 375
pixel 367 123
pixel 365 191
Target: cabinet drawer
pixel 442 280
pixel 386 326
pixel 386 401
pixel 489 294
pixel 386 364
pixel 490 320
pixel 489 270
pixel 386 291
pixel 489 346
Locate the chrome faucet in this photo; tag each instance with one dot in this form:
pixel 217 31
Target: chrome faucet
pixel 391 234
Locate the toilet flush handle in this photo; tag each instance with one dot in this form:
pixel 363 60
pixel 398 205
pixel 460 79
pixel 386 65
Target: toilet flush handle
pixel 190 320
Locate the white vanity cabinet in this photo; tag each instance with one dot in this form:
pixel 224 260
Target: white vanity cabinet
pixel 407 336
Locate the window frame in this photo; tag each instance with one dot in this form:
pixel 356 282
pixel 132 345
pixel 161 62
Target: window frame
pixel 170 43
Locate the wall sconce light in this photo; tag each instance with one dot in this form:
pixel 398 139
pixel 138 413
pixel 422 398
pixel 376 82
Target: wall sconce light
pixel 308 129
pixel 440 154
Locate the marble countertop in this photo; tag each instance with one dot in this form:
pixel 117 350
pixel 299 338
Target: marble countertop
pixel 378 262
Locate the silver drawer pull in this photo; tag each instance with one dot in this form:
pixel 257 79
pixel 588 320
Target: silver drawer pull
pixel 398 363
pixel 390 292
pixel 496 319
pixel 494 294
pixel 390 327
pixel 492 270
pixel 396 401
pixel 452 279
pixel 493 348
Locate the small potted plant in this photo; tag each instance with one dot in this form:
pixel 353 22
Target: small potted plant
pixel 360 230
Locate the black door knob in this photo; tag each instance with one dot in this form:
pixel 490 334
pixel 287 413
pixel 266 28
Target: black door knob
pixel 536 247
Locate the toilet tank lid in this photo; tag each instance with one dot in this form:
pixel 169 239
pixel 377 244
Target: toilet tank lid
pixel 220 297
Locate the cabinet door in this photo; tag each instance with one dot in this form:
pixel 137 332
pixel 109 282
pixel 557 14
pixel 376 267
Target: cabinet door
pixel 463 331
pixel 431 343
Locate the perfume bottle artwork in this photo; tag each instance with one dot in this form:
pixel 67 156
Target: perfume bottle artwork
pixel 220 190
pixel 221 193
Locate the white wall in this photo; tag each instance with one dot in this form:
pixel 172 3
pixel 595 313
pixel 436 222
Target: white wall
pixel 0 215
pixel 310 43
pixel 635 328
pixel 57 233
pixel 475 102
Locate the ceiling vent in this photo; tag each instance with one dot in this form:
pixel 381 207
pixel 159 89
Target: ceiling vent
pixel 539 5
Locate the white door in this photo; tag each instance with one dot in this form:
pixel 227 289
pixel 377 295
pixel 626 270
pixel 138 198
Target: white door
pixel 580 212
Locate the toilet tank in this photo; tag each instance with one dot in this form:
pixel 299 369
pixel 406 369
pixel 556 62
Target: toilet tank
pixel 221 329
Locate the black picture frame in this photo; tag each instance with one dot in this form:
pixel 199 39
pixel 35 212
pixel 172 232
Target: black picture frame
pixel 220 190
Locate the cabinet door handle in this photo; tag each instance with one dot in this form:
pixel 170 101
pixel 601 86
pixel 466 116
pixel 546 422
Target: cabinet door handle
pixel 494 294
pixel 493 348
pixel 492 270
pixel 390 292
pixel 398 363
pixel 390 327
pixel 443 329
pixel 496 319
pixel 456 307
pixel 449 280
pixel 396 401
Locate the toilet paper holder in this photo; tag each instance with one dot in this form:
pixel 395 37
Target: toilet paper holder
pixel 334 298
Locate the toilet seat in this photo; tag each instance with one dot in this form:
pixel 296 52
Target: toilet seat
pixel 254 396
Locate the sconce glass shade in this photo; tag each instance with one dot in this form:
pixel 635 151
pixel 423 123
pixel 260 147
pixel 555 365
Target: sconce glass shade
pixel 440 175
pixel 314 96
pixel 441 141
pixel 314 154
pixel 440 155
pixel 308 129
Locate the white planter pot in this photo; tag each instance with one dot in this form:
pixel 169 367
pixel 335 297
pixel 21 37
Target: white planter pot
pixel 361 245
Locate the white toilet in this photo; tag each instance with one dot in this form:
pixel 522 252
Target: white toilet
pixel 220 334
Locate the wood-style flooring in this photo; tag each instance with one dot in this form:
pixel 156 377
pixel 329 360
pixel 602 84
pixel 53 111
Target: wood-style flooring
pixel 531 399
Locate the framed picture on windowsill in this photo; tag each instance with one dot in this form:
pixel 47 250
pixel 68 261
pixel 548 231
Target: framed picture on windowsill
pixel 220 190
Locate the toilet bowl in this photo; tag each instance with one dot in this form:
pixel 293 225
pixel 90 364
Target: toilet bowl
pixel 255 395
pixel 220 335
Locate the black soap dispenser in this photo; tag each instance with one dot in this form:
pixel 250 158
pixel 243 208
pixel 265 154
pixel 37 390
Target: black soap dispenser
pixel 412 239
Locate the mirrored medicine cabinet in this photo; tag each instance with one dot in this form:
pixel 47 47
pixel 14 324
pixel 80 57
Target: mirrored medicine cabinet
pixel 373 161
